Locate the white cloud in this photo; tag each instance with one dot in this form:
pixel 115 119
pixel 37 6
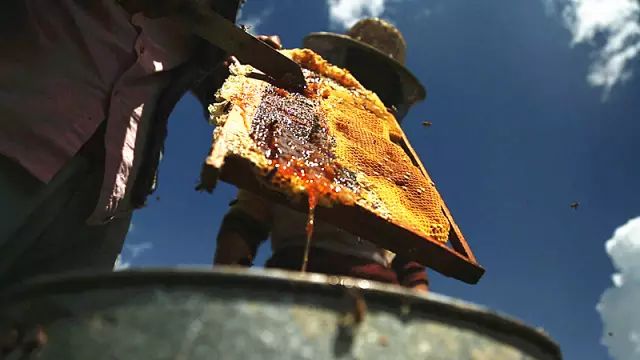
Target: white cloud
pixel 120 265
pixel 550 6
pixel 253 22
pixel 618 21
pixel 130 252
pixel 344 13
pixel 619 304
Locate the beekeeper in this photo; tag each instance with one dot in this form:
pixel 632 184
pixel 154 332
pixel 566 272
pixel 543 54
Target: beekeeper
pixel 86 88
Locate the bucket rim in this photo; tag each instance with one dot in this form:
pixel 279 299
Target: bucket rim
pixel 275 279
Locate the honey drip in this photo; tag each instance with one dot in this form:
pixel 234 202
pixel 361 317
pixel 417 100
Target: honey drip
pixel 294 137
pixel 313 201
pixel 318 181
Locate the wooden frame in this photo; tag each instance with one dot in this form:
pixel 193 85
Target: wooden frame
pixel 456 238
pixel 457 262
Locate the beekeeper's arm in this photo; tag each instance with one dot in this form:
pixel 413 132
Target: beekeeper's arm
pixel 246 225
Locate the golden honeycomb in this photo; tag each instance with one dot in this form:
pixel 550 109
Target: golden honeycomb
pixel 336 142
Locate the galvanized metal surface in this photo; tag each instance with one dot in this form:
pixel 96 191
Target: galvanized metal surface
pixel 249 314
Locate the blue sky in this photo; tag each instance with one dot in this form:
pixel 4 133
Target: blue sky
pixel 524 123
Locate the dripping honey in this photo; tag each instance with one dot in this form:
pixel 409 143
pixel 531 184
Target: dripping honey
pixel 294 137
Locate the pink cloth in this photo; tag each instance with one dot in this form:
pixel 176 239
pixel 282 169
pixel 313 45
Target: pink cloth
pixel 69 66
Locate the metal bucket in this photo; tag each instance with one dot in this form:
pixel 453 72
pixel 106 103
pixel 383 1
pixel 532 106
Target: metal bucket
pixel 250 314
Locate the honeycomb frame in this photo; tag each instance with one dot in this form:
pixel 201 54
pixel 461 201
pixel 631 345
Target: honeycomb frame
pixel 385 206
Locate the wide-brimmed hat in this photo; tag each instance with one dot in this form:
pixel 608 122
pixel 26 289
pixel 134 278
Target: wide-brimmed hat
pixel 372 50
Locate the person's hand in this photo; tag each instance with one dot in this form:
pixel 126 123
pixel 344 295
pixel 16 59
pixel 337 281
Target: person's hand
pixel 423 288
pixel 271 40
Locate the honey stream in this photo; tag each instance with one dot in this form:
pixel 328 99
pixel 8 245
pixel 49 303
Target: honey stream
pixel 295 139
pixel 313 201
